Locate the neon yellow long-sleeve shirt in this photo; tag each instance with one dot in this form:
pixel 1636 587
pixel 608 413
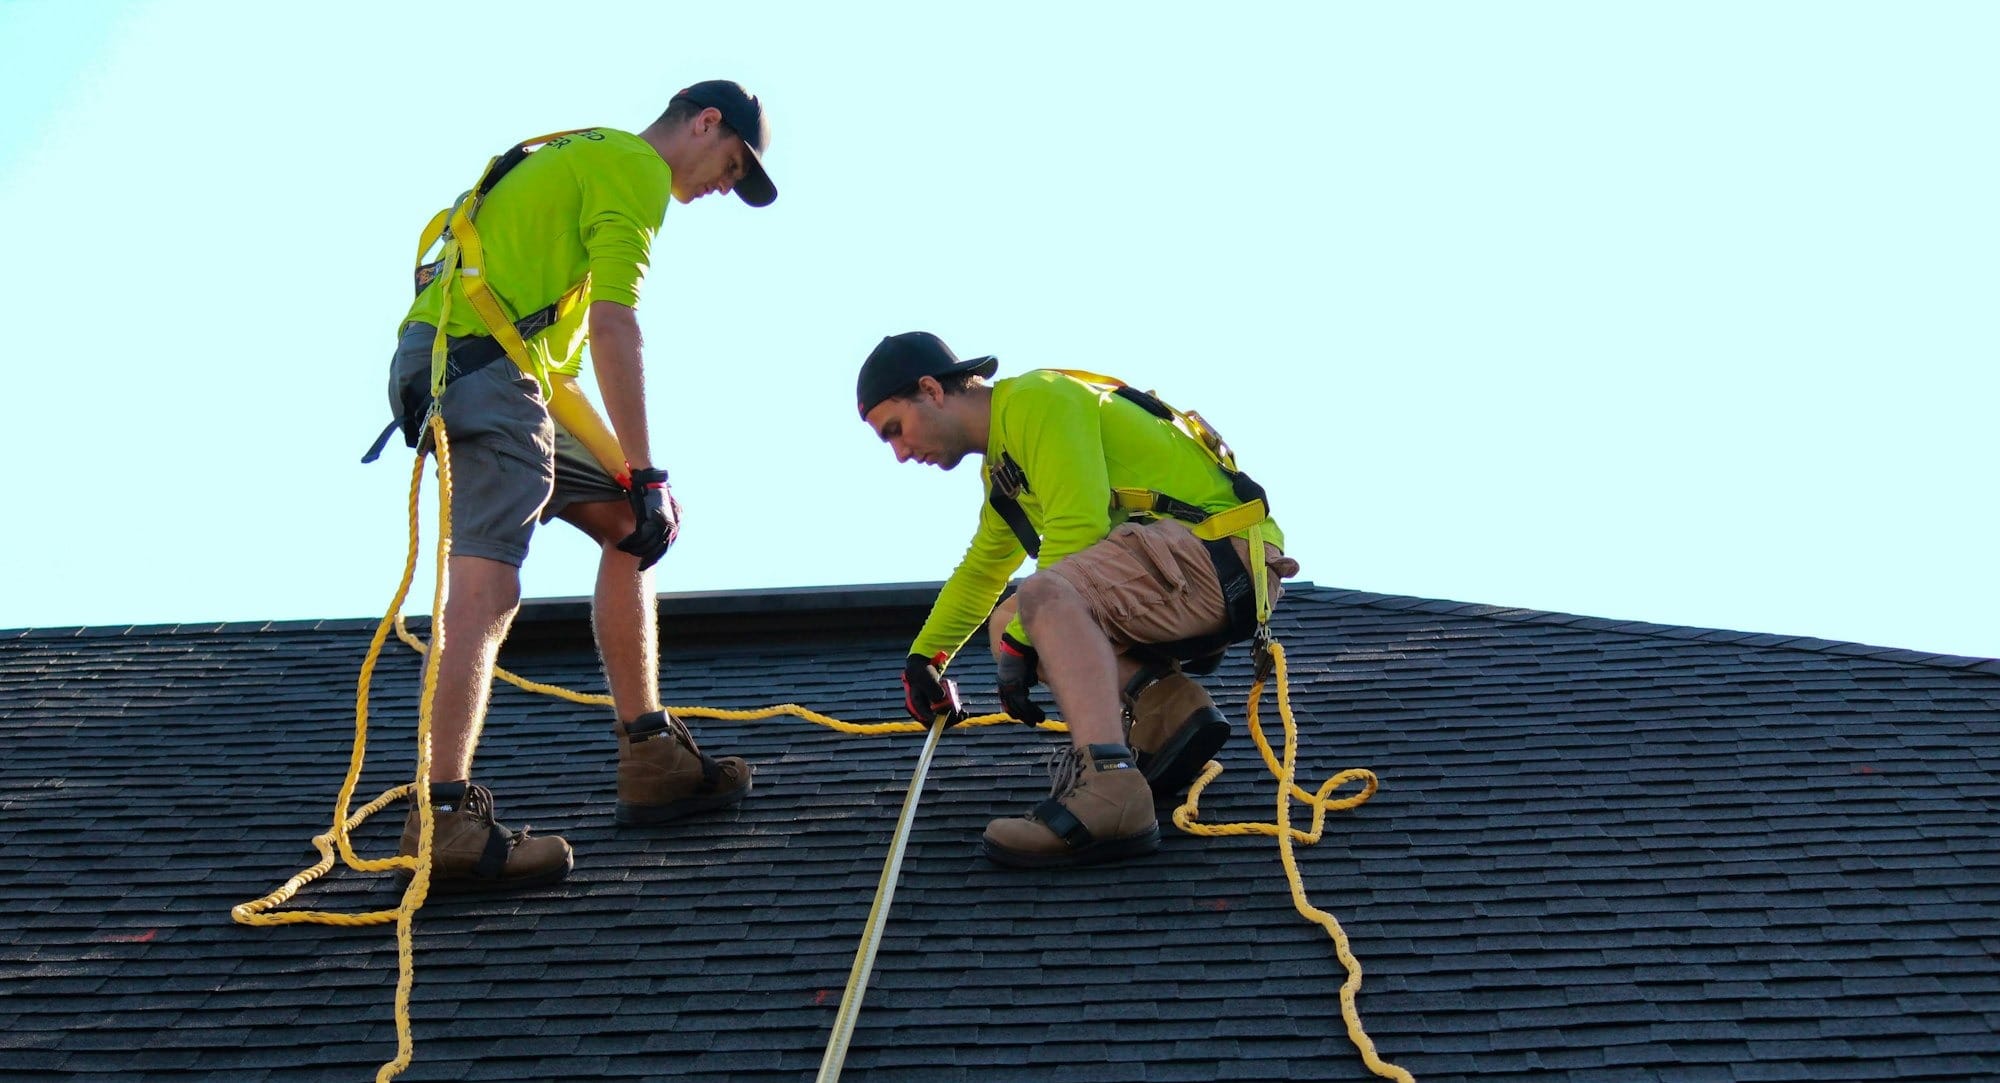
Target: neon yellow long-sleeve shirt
pixel 1073 444
pixel 585 204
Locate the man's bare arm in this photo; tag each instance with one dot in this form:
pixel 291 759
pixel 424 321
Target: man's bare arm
pixel 616 350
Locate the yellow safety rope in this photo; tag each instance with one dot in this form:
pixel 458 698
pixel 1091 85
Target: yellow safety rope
pixel 258 912
pixel 728 715
pixel 1321 804
pixel 261 911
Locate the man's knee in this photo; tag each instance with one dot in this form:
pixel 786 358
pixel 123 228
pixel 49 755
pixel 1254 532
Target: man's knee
pixel 487 589
pixel 1042 591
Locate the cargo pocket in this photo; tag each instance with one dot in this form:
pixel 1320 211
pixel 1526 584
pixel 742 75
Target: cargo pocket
pixel 1156 548
pixel 1179 596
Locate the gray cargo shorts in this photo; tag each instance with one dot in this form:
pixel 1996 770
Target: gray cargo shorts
pixel 511 465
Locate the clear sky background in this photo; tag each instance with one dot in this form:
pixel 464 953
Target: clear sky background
pixel 1680 312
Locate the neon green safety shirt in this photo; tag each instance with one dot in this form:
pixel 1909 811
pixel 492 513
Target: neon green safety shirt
pixel 588 203
pixel 1074 444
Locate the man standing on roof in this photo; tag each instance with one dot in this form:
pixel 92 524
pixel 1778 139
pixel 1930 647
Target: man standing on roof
pixel 1107 487
pixel 574 222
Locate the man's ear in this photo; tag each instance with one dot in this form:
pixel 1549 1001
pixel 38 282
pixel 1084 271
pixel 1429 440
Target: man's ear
pixel 931 390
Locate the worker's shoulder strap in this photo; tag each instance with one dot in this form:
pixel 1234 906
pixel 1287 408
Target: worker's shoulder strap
pixel 1007 480
pixel 1254 506
pixel 497 168
pixel 463 258
pixel 457 228
pixel 456 222
pixel 1241 582
pixel 1187 421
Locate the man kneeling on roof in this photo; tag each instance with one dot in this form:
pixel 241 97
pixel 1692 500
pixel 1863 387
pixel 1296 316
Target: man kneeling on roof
pixel 1112 492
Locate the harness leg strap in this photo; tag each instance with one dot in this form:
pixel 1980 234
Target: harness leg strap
pixel 1052 815
pixel 493 860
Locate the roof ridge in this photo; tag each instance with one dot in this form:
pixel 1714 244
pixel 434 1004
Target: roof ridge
pixel 1520 615
pixel 830 597
pixel 199 627
pixel 562 607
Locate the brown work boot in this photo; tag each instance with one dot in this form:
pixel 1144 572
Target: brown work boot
pixel 1175 729
pixel 662 775
pixel 470 852
pixel 1101 810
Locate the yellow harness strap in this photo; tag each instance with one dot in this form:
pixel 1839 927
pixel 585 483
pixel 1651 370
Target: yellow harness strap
pixel 1212 526
pixel 464 261
pixel 1216 526
pixel 1247 518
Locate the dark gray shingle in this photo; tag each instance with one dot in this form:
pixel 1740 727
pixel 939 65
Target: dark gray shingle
pixel 1602 851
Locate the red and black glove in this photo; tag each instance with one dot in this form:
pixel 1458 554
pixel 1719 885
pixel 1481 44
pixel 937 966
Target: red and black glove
pixel 926 694
pixel 657 514
pixel 1018 665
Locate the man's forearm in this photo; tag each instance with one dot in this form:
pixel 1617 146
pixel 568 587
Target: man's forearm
pixel 616 350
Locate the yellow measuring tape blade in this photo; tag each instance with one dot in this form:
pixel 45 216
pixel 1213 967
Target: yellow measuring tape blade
pixel 878 916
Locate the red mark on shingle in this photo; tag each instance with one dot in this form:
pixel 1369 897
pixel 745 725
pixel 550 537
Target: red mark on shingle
pixel 1217 905
pixel 820 997
pixel 1864 769
pixel 129 938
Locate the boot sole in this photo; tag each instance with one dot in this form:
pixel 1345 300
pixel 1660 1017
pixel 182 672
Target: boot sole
pixel 1097 853
pixel 473 885
pixel 631 815
pixel 1172 769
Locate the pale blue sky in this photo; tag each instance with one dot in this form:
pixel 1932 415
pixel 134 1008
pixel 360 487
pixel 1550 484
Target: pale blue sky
pixel 1679 312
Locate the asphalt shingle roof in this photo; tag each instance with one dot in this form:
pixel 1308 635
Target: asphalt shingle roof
pixel 1602 851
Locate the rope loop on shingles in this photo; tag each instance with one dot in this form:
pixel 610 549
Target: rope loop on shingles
pixel 1285 770
pixel 264 911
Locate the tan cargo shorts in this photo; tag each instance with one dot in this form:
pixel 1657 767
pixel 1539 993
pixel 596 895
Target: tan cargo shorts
pixel 1155 583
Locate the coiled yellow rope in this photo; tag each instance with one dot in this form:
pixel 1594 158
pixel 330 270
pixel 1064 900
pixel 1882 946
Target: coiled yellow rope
pixel 259 911
pixel 1321 804
pixel 263 911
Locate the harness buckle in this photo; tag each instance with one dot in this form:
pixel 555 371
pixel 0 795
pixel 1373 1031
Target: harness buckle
pixel 425 443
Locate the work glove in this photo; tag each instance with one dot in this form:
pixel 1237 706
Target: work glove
pixel 657 513
pixel 926 694
pixel 1018 665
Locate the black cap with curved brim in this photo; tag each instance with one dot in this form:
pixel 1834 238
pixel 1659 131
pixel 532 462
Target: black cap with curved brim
pixel 901 360
pixel 744 114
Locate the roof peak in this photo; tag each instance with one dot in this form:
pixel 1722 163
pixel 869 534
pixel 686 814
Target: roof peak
pixel 764 604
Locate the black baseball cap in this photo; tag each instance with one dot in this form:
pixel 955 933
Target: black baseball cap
pixel 744 114
pixel 901 360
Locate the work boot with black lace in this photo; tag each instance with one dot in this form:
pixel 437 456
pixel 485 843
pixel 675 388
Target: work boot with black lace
pixel 1099 809
pixel 663 775
pixel 1175 728
pixel 470 852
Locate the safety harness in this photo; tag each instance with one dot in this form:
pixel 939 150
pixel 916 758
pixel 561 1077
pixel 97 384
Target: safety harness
pixel 463 259
pixel 1246 596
